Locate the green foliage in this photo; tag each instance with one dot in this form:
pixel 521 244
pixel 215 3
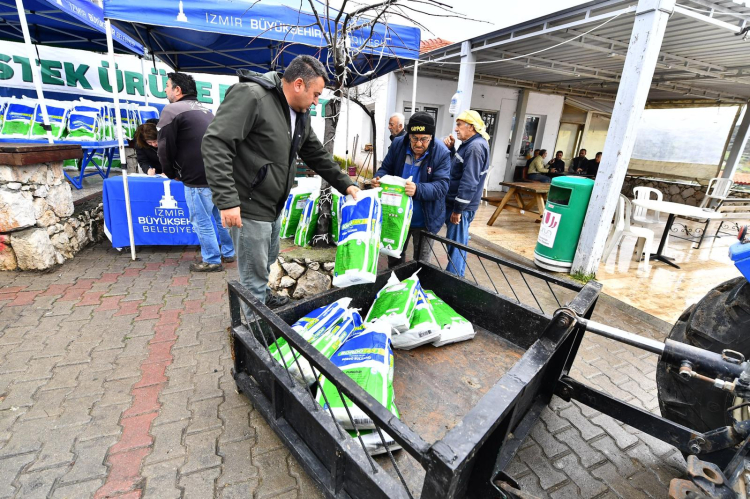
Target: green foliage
pixel 582 277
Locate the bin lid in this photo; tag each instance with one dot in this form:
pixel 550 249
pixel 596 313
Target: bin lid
pixel 739 251
pixel 572 182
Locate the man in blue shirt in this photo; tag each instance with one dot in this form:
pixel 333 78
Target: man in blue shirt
pixel 427 162
pixel 470 165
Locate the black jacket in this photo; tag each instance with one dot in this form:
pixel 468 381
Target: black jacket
pixel 399 134
pixel 250 152
pixel 148 158
pixel 181 128
pixel 579 162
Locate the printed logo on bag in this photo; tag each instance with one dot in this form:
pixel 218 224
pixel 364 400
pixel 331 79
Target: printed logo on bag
pixel 548 229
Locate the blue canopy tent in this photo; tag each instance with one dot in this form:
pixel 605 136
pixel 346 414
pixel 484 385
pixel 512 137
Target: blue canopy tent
pixel 70 23
pixel 221 36
pixel 77 24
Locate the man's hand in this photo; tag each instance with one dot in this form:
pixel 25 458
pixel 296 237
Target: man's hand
pixel 410 188
pixel 231 218
pixel 352 191
pixel 455 218
pixel 449 141
pixel 151 171
pixel 375 183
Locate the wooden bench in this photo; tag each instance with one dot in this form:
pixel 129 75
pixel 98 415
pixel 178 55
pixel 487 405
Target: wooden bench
pixel 535 191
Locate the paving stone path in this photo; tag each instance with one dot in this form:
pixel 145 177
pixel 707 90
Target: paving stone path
pixel 115 382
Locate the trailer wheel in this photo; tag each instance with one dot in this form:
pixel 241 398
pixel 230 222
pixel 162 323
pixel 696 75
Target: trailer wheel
pixel 719 321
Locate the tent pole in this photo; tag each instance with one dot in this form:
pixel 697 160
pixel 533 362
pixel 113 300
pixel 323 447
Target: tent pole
pixel 118 129
pixel 36 72
pixel 414 89
pixel 145 80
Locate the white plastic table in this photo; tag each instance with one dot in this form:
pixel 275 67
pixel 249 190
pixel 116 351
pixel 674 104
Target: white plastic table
pixel 674 210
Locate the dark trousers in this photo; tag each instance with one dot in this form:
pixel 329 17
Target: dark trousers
pixel 415 237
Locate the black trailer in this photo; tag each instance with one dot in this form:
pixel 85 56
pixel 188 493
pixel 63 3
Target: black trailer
pixel 465 408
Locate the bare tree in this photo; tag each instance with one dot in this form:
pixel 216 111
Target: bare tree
pixel 337 25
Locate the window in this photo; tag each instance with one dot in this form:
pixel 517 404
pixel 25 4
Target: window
pixel 431 110
pixel 489 118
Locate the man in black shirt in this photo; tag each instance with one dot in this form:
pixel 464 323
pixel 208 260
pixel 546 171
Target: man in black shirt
pixel 556 164
pixel 593 165
pixel 579 164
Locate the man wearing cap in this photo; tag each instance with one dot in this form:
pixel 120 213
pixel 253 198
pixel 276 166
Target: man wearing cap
pixel 470 164
pixel 427 162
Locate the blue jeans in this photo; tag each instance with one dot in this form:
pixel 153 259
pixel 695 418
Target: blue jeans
pixel 460 233
pixel 202 209
pixel 257 246
pixel 538 177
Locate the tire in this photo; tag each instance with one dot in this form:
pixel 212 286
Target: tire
pixel 719 321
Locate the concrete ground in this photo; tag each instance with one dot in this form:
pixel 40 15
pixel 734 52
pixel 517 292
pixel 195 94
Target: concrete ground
pixel 115 382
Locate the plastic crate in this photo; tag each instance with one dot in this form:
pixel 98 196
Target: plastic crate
pixel 740 255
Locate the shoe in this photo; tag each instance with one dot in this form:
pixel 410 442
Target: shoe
pixel 275 301
pixel 228 259
pixel 206 267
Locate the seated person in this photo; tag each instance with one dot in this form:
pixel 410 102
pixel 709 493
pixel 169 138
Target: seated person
pixel 538 170
pixel 145 149
pixel 556 164
pixel 579 164
pixel 528 161
pixel 593 166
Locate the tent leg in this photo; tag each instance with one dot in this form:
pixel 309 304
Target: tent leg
pixel 145 81
pixel 414 88
pixel 118 129
pixel 36 71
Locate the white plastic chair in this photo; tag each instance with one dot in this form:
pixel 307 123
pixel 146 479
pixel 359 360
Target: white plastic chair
pixel 622 228
pixel 644 215
pixel 485 190
pixel 718 188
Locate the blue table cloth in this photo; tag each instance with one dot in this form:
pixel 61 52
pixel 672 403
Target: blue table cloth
pixel 160 214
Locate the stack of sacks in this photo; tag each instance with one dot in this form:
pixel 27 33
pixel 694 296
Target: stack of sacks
pixel 397 212
pixel 367 358
pixel 325 328
pixel 307 224
pixel 395 303
pixel 294 207
pixel 359 240
pixel 337 201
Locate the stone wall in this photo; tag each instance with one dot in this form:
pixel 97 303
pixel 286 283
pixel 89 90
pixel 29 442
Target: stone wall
pixel 690 193
pixel 300 278
pixel 39 226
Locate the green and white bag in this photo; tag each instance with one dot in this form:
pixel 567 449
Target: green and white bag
pixel 367 358
pixel 327 343
pixel 359 240
pixel 293 210
pixel 337 200
pixel 453 327
pixel 58 120
pixel 84 126
pixel 306 227
pixel 423 329
pixel 18 118
pixel 398 209
pixel 395 303
pixel 310 327
pixel 372 441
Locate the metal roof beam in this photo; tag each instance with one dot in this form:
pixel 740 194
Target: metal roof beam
pixel 665 58
pixel 546 29
pixel 708 20
pixel 613 76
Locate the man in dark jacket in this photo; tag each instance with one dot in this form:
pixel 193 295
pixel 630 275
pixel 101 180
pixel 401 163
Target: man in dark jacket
pixel 181 127
pixel 250 150
pixel 427 162
pixel 471 162
pixel 579 164
pixel 396 126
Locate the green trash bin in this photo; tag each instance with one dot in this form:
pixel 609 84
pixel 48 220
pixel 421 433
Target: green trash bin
pixel 562 222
